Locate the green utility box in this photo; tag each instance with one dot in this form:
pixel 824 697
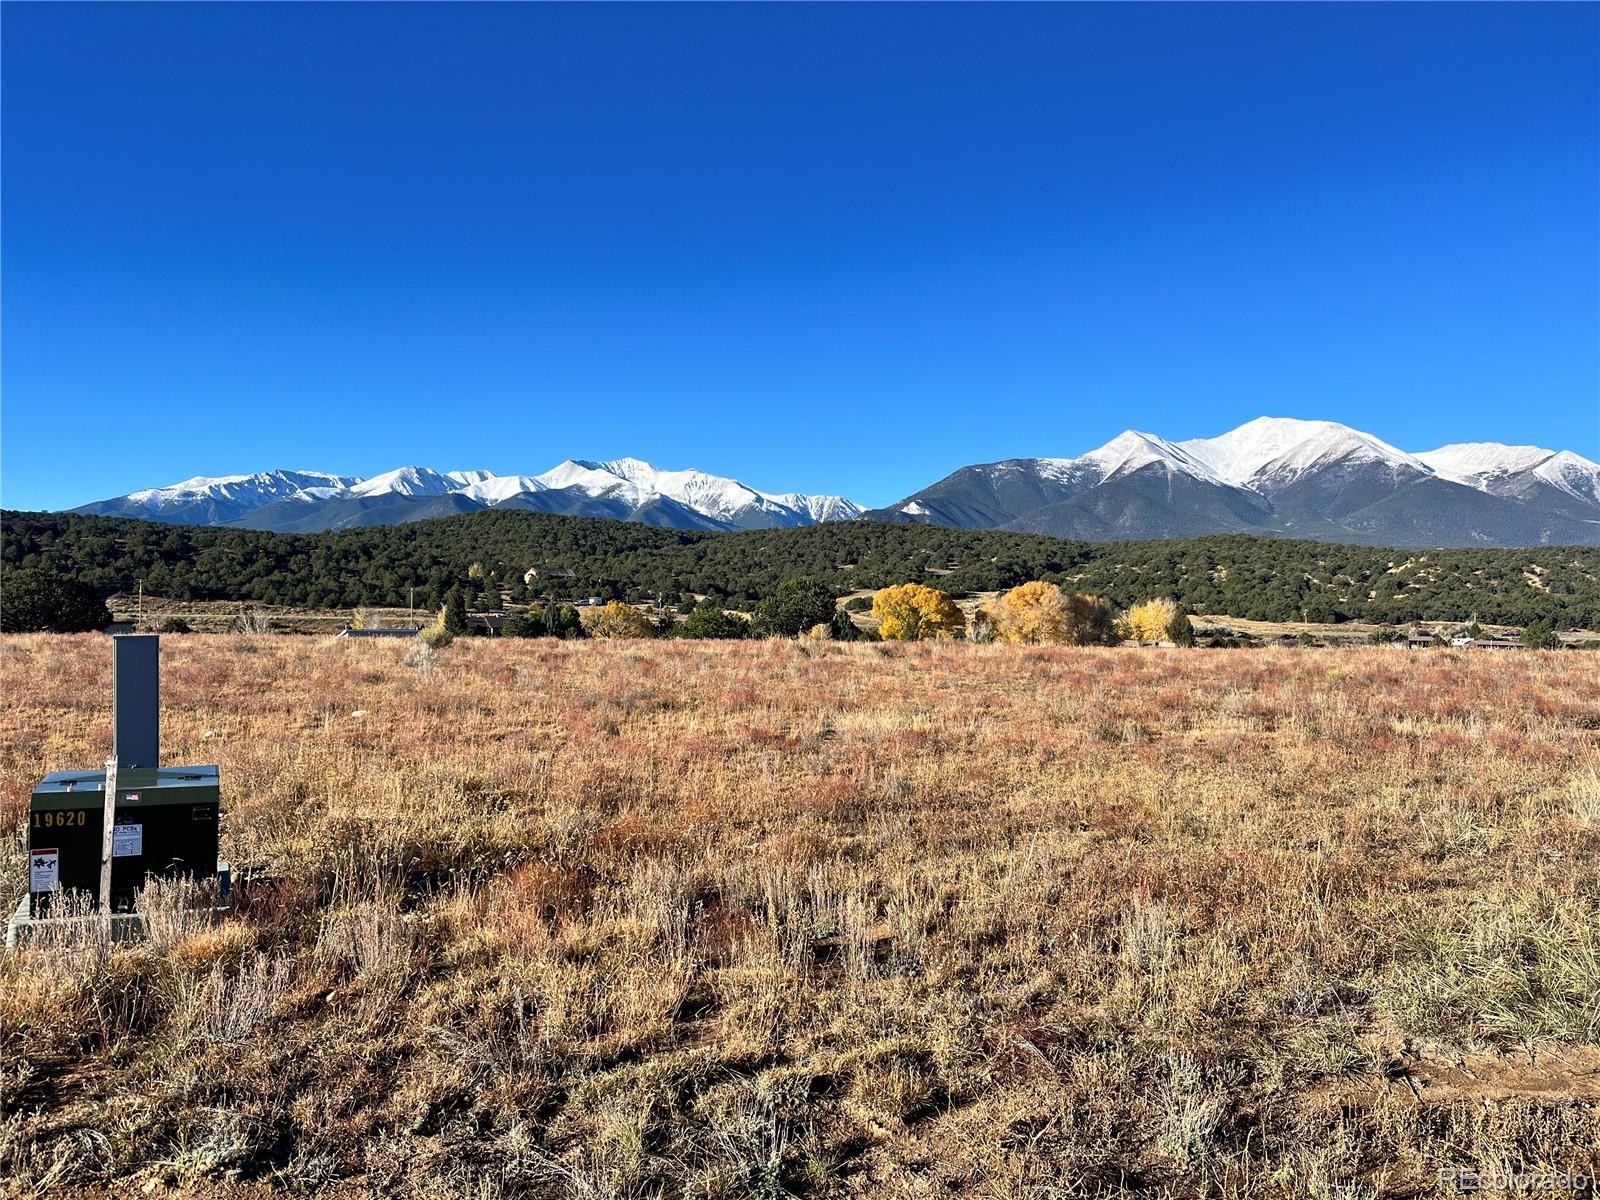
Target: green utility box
pixel 165 818
pixel 165 826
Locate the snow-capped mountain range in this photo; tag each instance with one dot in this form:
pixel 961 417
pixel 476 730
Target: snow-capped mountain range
pixel 1275 448
pixel 1280 476
pixel 624 488
pixel 1275 476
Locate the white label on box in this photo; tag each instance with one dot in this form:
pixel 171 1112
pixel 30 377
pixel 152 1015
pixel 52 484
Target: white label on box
pixel 127 841
pixel 44 871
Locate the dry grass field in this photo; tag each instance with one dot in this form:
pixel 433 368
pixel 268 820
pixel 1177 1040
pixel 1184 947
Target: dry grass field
pixel 754 919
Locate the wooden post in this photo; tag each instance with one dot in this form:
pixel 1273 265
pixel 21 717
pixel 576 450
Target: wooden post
pixel 107 834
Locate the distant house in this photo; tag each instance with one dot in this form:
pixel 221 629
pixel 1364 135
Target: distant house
pixel 376 633
pixel 1416 642
pixel 1496 644
pixel 533 573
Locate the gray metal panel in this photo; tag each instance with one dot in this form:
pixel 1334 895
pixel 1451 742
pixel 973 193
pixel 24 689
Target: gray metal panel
pixel 136 691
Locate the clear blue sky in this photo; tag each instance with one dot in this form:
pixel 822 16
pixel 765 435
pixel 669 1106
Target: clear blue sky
pixel 834 248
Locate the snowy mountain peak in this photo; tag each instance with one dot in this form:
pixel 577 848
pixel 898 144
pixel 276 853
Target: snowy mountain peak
pixel 592 478
pixel 634 470
pixel 195 486
pixel 1492 467
pixel 820 508
pixel 405 481
pixel 1469 462
pixel 724 500
pixel 688 486
pixel 488 488
pixel 1280 446
pixel 262 486
pixel 1131 450
pixel 1566 458
pixel 1573 474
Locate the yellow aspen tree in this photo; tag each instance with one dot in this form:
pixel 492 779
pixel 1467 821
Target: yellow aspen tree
pixel 1149 622
pixel 617 620
pixel 910 612
pixel 1030 613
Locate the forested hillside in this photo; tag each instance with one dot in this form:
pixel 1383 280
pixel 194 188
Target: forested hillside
pixel 1242 576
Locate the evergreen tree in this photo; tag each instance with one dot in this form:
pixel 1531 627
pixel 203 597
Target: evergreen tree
pixel 563 621
pixel 523 624
pixel 34 601
pixel 1181 631
pixel 453 619
pixel 843 629
pixel 795 607
pixel 708 620
pixel 1090 621
pixel 1541 636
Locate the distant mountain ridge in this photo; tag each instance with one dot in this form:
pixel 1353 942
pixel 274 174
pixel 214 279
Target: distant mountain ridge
pixel 1273 476
pixel 626 489
pixel 1278 476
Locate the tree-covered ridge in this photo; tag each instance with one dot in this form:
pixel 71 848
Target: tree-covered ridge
pixel 1238 575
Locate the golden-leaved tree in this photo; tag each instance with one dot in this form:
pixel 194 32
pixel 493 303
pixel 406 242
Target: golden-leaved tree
pixel 1040 613
pixel 912 612
pixel 1149 622
pixel 1032 613
pixel 614 619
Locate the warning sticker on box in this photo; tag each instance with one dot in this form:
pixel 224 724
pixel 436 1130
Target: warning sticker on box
pixel 44 871
pixel 127 841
